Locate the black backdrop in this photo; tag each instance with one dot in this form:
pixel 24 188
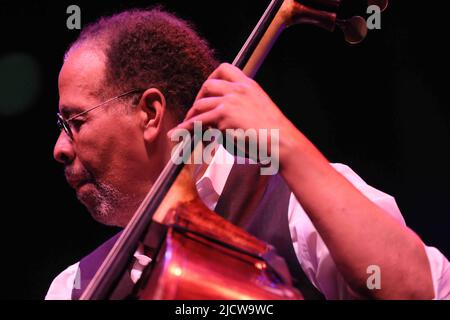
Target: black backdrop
pixel 381 107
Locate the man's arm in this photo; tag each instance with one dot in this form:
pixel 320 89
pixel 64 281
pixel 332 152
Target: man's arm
pixel 357 232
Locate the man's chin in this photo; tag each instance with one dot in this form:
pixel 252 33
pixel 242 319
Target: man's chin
pixel 103 216
pixel 106 204
pixel 99 207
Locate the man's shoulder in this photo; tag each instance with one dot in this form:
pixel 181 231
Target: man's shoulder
pixel 62 286
pixel 72 278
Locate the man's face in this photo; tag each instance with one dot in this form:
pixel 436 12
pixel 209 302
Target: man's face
pixel 107 161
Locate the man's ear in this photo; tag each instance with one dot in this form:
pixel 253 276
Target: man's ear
pixel 152 108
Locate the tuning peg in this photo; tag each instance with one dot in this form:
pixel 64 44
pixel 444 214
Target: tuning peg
pixel 382 4
pixel 355 29
pixel 302 14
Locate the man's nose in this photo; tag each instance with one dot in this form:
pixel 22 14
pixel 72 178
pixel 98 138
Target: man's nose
pixel 63 151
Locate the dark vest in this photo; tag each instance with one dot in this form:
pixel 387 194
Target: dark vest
pixel 258 204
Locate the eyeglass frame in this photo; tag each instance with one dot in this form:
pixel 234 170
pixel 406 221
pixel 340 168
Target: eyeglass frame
pixel 64 124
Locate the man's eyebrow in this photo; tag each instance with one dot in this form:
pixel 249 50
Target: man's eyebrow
pixel 68 111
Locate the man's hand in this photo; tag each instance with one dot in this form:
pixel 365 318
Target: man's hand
pixel 229 100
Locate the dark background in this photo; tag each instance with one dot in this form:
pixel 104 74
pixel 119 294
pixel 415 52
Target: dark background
pixel 381 107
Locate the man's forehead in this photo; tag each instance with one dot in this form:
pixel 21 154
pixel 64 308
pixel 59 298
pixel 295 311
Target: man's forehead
pixel 80 78
pixel 83 60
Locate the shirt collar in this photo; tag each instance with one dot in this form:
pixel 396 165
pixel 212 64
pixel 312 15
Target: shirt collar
pixel 211 183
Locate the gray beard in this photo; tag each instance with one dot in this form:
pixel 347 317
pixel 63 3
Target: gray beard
pixel 104 204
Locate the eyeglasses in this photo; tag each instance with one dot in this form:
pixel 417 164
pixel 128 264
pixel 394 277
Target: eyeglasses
pixel 65 124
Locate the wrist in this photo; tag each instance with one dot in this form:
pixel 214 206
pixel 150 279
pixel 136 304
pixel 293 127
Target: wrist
pixel 296 152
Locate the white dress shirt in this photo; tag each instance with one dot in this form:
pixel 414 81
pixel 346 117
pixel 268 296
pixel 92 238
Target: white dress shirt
pixel 311 251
